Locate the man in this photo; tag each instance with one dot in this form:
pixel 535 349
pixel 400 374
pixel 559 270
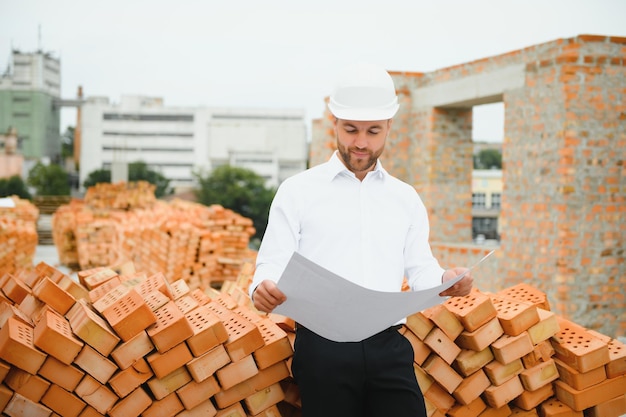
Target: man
pixel 353 218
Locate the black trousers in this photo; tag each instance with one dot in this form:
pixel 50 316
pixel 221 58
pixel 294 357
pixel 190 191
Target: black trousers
pixel 371 378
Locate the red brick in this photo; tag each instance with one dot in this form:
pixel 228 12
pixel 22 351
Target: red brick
pixel 578 349
pixel 208 331
pixel 441 399
pixel 186 303
pixel 31 306
pixel 89 411
pixel 155 300
pixel 73 288
pixel 162 387
pixel 236 372
pixel 264 399
pixel 445 320
pixel 17 348
pixel 62 402
pixel 96 277
pixel 50 293
pixel 9 310
pixel 195 393
pixel 579 380
pixel 530 400
pixel 100 291
pixel 617 359
pixel 471 387
pixel 165 363
pixel 547 327
pixel 498 396
pixel 499 373
pixel 469 361
pixel 133 405
pixel 243 336
pixel 127 353
pixel 615 407
pixel 276 344
pixel 269 376
pixel 126 381
pixel 15 289
pixel 515 316
pixel 169 406
pixel 179 288
pixel 420 350
pixel 5 396
pixel 541 353
pixel 92 362
pixel 155 282
pixel 472 409
pixel 509 348
pixel 504 411
pixel 4 369
pixel 170 329
pixel 65 376
pixel 539 375
pixel 92 329
pixel 30 386
pixel 19 405
pixel 234 410
pixel 443 373
pixel 481 338
pixel 423 379
pixel 204 366
pixel 419 324
pixel 594 395
pixel 443 346
pixel 206 409
pixel 54 336
pixel 129 315
pixel 526 293
pixel 472 310
pixel 95 394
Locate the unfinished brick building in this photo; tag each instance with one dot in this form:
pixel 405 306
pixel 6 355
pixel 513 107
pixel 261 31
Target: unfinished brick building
pixel 564 201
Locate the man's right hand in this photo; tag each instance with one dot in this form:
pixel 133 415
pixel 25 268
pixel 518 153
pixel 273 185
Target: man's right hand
pixel 267 296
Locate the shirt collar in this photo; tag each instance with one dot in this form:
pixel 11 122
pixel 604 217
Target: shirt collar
pixel 335 167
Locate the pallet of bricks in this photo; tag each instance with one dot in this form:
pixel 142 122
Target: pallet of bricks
pixel 124 222
pixel 18 234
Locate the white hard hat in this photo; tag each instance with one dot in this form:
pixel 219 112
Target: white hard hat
pixel 364 92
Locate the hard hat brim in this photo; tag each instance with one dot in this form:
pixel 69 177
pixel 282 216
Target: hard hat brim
pixel 363 114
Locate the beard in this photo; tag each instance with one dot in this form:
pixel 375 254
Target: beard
pixel 358 164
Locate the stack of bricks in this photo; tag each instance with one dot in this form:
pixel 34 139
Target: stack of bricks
pixel 203 245
pixel 121 196
pixel 502 354
pixel 122 343
pixel 18 234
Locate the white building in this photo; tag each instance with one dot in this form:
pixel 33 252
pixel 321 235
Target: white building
pixel 177 141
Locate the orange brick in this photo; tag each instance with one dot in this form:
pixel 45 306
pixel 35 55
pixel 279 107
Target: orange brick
pixel 92 362
pixel 162 387
pixel 504 411
pixel 208 331
pixel 96 277
pixel 468 361
pixel 541 353
pixel 204 366
pixel 498 396
pixel 268 376
pixel 179 288
pixel 15 289
pixel 578 349
pixel 92 329
pixel 50 293
pixel 186 303
pixel 235 410
pixel 552 407
pixel 439 397
pixel 100 291
pixel 509 348
pixel 526 293
pixel 445 320
pixel 5 396
pixel 195 393
pixel 9 310
pixel 276 345
pixel 89 411
pixel 30 386
pixel 579 380
pixel 65 376
pixel 539 375
pixel 471 387
pixel 4 369
pixel 170 329
pixel 133 405
pixel 547 327
pixel 594 395
pixel 129 352
pixel 419 324
pixel 499 373
pixel 236 372
pixel 155 300
pixel 230 397
pixel 155 282
pixel 530 400
pixel 443 373
pixel 62 402
pixel 617 359
pixel 206 409
pixel 165 363
pixel 473 409
pixel 472 310
pixel 169 406
pixel 73 288
pixel 515 316
pixel 31 306
pixel 420 350
pixel 129 315
pixel 243 336
pixel 423 379
pixel 17 348
pixel 19 405
pixel 271 411
pixel 264 399
pixel 443 346
pixel 612 408
pixel 95 394
pixel 54 336
pixel 481 338
pixel 126 381
pixel 285 323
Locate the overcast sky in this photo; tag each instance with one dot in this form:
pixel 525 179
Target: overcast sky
pixel 275 53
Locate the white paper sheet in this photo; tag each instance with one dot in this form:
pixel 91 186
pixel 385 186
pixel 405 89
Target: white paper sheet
pixel 7 202
pixel 340 310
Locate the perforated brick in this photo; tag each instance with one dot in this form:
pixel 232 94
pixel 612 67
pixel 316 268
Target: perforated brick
pixel 443 373
pixel 243 337
pixel 482 337
pixel 92 329
pixel 167 362
pixel 264 399
pixel 498 396
pixel 205 365
pixel 515 316
pixel 162 387
pixel 594 395
pixel 473 310
pixel 445 320
pixel 126 353
pixel 530 400
pixel 170 329
pixel 617 359
pixel 127 380
pixel 50 293
pixel 129 315
pixel 509 348
pixel 526 293
pixel 539 375
pixel 439 343
pixel 208 331
pixel 17 347
pixel 579 380
pixel 276 346
pixel 578 349
pixel 54 336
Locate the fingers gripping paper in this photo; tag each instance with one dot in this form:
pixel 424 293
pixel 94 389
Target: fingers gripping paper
pixel 340 310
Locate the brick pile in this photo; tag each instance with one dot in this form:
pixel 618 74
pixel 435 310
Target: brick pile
pixel 18 235
pixel 113 225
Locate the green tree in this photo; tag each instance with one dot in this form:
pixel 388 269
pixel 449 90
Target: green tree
pixel 49 179
pixel 137 171
pixel 67 146
pixel 488 159
pixel 240 190
pixel 14 186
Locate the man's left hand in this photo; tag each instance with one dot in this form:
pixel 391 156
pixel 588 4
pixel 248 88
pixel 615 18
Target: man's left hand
pixel 461 288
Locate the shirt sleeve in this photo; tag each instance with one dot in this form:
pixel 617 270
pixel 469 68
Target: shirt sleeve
pixel 280 240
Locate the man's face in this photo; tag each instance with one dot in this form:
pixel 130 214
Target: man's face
pixel 360 143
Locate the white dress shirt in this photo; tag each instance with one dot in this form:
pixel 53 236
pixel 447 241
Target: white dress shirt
pixel 372 232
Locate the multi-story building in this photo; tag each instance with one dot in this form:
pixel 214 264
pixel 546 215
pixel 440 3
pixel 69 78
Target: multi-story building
pixel 30 89
pixel 486 203
pixel 178 141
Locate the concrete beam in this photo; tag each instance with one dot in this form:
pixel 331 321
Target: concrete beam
pixel 483 88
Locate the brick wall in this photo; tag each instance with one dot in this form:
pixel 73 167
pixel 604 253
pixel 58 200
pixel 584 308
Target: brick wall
pixel 563 204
